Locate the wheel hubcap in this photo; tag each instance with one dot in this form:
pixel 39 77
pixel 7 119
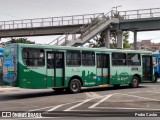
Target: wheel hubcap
pixel 135 82
pixel 74 86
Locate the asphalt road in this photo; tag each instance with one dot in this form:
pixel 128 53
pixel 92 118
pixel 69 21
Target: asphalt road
pixel 91 102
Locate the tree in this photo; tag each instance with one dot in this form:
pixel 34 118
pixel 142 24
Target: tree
pixel 125 40
pixel 100 39
pixel 20 40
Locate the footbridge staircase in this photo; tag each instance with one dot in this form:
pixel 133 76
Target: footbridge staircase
pixel 86 32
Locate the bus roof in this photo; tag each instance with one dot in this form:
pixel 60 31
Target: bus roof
pixel 80 48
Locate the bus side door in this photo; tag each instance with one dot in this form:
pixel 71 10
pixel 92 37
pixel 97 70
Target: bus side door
pixel 147 68
pixel 102 68
pixel 55 69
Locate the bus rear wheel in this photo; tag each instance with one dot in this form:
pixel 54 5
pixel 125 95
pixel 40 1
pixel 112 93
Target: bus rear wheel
pixel 74 86
pixel 135 82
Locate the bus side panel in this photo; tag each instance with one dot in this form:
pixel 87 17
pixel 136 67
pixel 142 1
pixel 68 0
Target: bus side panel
pixel 31 76
pixel 10 65
pixel 124 74
pixel 156 63
pixel 87 74
pixel 119 75
pixel 70 72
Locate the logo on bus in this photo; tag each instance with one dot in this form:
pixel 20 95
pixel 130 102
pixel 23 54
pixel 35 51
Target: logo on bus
pixel 27 70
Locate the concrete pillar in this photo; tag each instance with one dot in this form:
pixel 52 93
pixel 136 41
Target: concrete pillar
pixel 135 40
pixel 120 39
pixel 107 39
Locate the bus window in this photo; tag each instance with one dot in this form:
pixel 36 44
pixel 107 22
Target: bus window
pixel 73 58
pixel 102 61
pixel 118 59
pixel 33 57
pixel 133 59
pixel 59 60
pixel 50 60
pixel 88 58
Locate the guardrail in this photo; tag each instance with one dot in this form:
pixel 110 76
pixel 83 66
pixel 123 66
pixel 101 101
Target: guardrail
pixel 46 22
pixel 85 29
pixel 139 14
pixel 73 35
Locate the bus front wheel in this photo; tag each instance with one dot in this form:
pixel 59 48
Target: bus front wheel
pixel 135 82
pixel 74 86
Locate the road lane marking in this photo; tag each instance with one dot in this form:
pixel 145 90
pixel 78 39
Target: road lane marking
pixel 77 105
pixel 134 92
pixel 138 97
pixel 92 95
pixel 67 103
pixel 154 91
pixel 95 94
pixel 102 100
pixel 41 108
pixel 56 107
pixel 124 108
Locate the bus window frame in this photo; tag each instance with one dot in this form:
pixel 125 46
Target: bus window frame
pixel 119 59
pixel 130 59
pixel 93 53
pixel 78 51
pixel 43 58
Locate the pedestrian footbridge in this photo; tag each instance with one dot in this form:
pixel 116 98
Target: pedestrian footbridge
pixel 79 29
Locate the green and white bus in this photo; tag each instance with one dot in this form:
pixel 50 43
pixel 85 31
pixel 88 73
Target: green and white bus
pixel 61 67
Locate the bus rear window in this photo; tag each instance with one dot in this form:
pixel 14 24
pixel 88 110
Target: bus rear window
pixel 33 57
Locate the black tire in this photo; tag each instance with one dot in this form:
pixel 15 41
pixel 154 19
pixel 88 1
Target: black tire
pixel 74 86
pixel 155 77
pixel 58 89
pixel 135 82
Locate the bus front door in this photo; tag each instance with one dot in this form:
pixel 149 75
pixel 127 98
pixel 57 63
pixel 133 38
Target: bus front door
pixel 147 68
pixel 102 69
pixel 55 69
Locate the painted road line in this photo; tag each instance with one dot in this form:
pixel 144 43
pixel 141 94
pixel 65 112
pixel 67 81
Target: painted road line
pixel 154 91
pixel 92 95
pixel 125 108
pixel 56 107
pixel 138 97
pixel 66 103
pixel 135 92
pixel 102 100
pixel 77 105
pixel 81 101
pixel 41 108
pixel 95 94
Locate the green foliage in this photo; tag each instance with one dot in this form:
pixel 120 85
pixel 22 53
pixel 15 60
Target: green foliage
pixel 20 40
pixel 100 41
pixel 125 40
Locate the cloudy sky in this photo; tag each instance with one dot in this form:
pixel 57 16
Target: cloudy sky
pixel 28 9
